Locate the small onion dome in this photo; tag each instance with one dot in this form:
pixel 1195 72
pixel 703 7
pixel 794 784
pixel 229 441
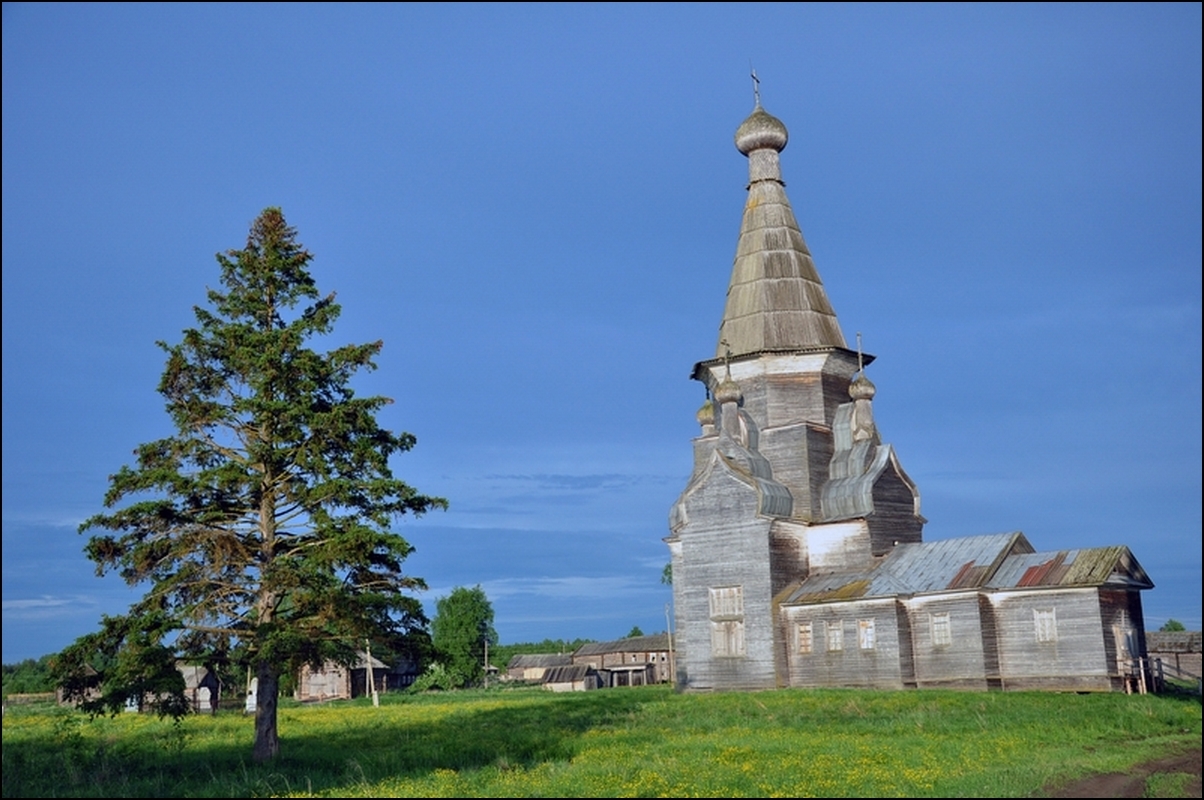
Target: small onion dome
pixel 727 391
pixel 759 131
pixel 861 388
pixel 706 414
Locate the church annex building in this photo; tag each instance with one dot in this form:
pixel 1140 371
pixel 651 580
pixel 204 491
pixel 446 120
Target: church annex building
pixel 797 545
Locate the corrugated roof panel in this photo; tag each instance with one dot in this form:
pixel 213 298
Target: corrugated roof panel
pixel 968 577
pixel 962 563
pixel 950 564
pixel 1094 566
pixel 1044 572
pixel 567 674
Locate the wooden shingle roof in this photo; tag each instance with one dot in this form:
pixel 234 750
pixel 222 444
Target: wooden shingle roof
pixel 775 300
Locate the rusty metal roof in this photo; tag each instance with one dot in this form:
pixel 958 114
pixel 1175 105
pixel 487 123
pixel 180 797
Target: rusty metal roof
pixel 963 563
pixel 1092 566
pixel 995 561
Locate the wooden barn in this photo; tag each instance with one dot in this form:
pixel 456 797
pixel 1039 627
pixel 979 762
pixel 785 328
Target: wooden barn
pixel 1177 655
pixel 92 693
pixel 338 682
pixel 531 667
pixel 635 661
pixel 202 687
pixel 571 678
pixel 797 544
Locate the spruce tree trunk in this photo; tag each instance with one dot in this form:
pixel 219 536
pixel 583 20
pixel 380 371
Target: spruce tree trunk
pixel 267 743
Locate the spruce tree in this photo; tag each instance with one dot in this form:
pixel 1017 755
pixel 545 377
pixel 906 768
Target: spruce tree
pixel 262 527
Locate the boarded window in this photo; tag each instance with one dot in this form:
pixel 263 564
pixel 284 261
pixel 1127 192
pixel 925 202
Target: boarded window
pixel 942 633
pixel 727 602
pixel 804 638
pixel 835 631
pixel 727 621
pixel 727 637
pixel 1126 641
pixel 1046 624
pixel 865 634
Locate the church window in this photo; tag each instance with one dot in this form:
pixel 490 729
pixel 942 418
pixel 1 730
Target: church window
pixel 942 634
pixel 727 638
pixel 804 638
pixel 727 602
pixel 835 631
pixel 1046 624
pixel 727 621
pixel 865 634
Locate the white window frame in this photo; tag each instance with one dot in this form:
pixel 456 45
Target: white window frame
pixel 866 638
pixel 942 629
pixel 1045 622
pixel 806 638
pixel 834 636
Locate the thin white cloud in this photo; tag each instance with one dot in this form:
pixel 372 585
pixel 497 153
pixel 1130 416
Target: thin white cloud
pixel 47 607
pixel 44 518
pixel 570 587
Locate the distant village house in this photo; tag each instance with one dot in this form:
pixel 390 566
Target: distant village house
pixel 338 682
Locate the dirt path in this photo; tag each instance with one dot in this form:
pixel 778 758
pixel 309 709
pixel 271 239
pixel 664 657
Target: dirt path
pixel 1133 782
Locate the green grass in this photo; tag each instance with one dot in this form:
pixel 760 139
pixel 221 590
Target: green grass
pixel 621 742
pixel 1170 785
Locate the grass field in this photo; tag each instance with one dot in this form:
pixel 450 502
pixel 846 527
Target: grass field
pixel 624 742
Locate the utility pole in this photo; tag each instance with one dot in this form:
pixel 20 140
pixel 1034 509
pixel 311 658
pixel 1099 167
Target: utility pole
pixel 486 662
pixel 669 633
pixel 368 676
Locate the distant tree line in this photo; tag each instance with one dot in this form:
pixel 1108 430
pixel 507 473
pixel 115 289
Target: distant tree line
pixel 501 655
pixel 28 677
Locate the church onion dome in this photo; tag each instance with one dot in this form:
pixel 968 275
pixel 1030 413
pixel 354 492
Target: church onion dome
pixel 861 388
pixel 759 131
pixel 706 414
pixel 727 391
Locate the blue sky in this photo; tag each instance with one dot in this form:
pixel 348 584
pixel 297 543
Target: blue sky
pixel 536 208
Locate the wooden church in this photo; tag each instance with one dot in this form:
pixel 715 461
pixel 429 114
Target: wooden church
pixel 797 545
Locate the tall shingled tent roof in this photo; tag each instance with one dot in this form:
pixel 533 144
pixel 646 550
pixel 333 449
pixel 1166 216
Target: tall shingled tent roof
pixel 775 300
